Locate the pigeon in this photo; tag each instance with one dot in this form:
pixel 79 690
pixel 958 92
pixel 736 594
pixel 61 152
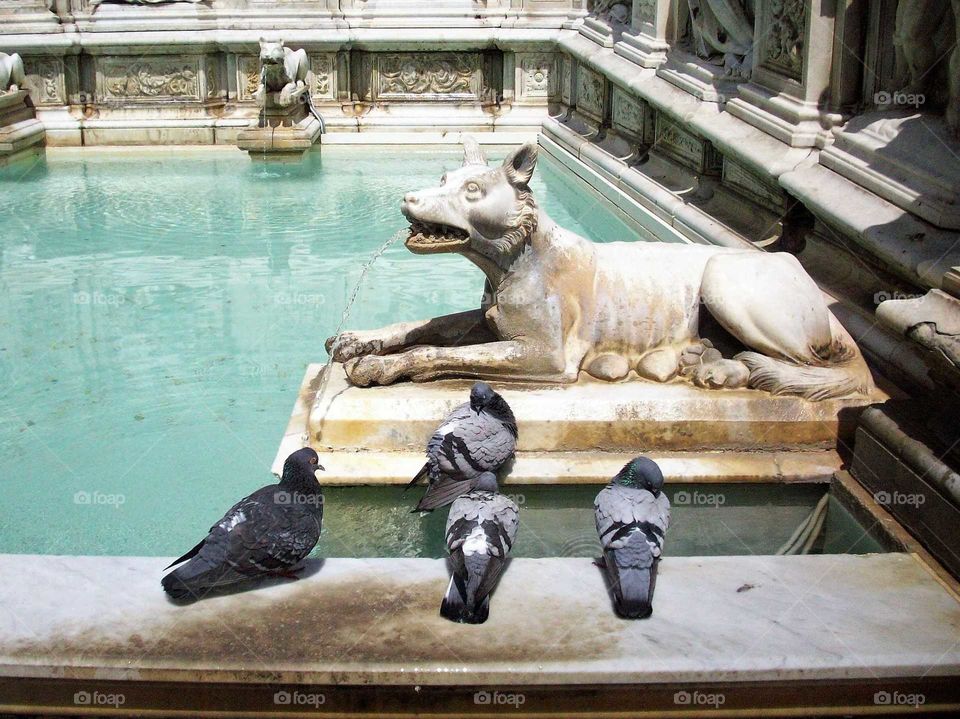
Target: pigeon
pixel 476 437
pixel 481 527
pixel 265 534
pixel 632 516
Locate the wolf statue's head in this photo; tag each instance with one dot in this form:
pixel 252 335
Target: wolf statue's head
pixel 489 210
pixel 271 52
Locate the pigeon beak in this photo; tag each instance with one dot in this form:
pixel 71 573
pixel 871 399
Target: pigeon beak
pixel 320 468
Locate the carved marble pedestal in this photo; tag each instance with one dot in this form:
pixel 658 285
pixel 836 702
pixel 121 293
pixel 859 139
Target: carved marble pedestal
pixel 20 132
pixel 285 133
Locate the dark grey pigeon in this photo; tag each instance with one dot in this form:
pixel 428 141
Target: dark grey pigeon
pixel 265 534
pixel 481 527
pixel 476 437
pixel 632 516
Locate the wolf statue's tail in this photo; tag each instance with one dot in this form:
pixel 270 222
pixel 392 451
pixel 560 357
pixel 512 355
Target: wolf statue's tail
pixel 842 373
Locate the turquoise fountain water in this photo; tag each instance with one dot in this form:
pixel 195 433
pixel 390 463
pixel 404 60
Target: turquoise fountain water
pixel 157 312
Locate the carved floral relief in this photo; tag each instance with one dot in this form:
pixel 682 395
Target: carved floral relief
pixel 428 73
pixel 155 78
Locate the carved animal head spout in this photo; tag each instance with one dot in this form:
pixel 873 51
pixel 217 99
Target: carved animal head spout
pixel 271 52
pixel 489 210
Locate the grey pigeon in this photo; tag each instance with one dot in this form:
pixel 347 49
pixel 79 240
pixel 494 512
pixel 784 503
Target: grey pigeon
pixel 476 437
pixel 265 534
pixel 481 527
pixel 633 515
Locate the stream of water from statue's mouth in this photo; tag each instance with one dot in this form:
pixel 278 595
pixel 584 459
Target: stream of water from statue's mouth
pixel 348 305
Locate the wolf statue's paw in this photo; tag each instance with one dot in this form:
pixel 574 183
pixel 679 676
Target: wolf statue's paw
pixel 368 370
pixel 704 364
pixel 347 345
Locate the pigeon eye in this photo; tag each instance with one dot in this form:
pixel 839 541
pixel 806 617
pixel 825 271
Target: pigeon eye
pixel 472 187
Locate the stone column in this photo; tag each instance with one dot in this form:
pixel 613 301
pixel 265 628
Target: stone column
pixel 646 41
pixel 797 86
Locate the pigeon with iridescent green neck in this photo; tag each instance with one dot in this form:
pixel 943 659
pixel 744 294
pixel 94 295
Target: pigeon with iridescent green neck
pixel 633 515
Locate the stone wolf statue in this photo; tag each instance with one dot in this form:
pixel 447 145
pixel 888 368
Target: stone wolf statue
pixel 284 71
pixel 557 304
pixel 11 73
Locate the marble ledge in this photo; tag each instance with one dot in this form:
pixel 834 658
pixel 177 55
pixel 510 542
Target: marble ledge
pixel 913 249
pixel 376 621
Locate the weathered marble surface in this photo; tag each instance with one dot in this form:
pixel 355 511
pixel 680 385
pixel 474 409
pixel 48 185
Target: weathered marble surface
pixel 377 621
pixel 587 416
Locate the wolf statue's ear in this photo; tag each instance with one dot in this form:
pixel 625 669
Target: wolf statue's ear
pixel 518 167
pixel 472 154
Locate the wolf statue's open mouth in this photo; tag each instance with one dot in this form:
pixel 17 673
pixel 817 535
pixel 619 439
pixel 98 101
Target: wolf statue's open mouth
pixel 427 238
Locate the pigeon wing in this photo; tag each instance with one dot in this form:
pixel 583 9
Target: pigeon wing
pixel 620 510
pixel 261 534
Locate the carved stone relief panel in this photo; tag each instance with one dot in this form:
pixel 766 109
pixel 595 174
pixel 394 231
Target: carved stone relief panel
pixel 632 116
pixel 162 78
pixel 323 66
pixel 751 186
pixel 45 79
pixel 687 148
pixel 248 77
pixel 215 77
pixel 425 76
pixel 536 75
pixel 566 79
pixel 782 37
pixel 428 76
pixel 591 93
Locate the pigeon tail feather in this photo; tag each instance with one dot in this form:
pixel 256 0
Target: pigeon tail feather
pixel 632 587
pixel 443 492
pixel 424 471
pixel 455 608
pixel 189 555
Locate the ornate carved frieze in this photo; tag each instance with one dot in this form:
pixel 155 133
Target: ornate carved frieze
pixel 687 148
pixel 425 76
pixel 782 42
pixel 248 77
pixel 631 116
pixel 428 75
pixel 566 79
pixel 45 80
pixel 323 67
pixel 591 93
pixel 216 88
pixel 751 186
pixel 148 79
pixel 537 78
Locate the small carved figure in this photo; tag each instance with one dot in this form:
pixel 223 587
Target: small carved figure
pixel 556 304
pixel 723 29
pixel 11 73
pixel 928 56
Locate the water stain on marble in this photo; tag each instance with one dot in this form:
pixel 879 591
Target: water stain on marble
pixel 349 620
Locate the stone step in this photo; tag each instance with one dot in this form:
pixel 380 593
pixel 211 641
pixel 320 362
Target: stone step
pixel 397 468
pixel 617 419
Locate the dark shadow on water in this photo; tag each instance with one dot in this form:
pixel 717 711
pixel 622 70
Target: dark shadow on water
pixel 308 568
